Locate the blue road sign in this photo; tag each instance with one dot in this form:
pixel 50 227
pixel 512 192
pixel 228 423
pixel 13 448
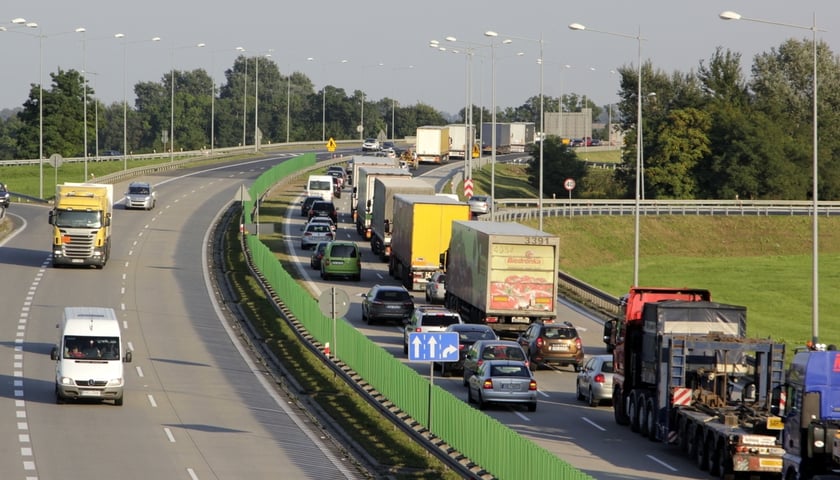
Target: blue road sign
pixel 433 347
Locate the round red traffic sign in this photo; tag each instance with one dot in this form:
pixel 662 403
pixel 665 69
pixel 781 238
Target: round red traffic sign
pixel 569 184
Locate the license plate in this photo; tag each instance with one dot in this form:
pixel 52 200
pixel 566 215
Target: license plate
pixel 91 393
pixel 338 262
pixel 76 260
pixel 510 386
pixel 394 307
pixel 555 348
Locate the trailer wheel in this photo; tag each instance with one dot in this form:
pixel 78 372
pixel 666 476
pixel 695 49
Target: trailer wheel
pixel 650 413
pixel 619 408
pixel 683 433
pixel 632 412
pixel 642 415
pixel 712 457
pixel 701 455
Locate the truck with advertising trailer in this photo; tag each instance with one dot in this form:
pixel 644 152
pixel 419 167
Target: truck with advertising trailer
pixel 461 139
pixel 89 356
pixel 382 221
pixel 502 137
pixel 811 434
pixel 630 308
pixel 361 202
pixel 521 135
pixel 81 224
pixel 688 376
pixel 432 144
pixel 420 234
pixel 501 274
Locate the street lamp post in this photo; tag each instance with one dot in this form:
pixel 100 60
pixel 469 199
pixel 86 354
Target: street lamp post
pixel 257 136
pixel 492 36
pixel 638 38
pixel 82 30
pixel 121 37
pixel 730 15
pixel 23 22
pixel 244 94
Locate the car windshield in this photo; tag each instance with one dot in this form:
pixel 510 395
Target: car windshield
pixel 320 185
pixel 509 371
pixel 440 320
pixel 476 335
pixel 393 295
pixel 559 333
pixel 319 227
pixel 343 251
pixel 98 348
pixel 496 352
pixel 138 190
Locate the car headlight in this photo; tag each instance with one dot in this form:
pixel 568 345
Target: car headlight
pixel 115 382
pixel 66 381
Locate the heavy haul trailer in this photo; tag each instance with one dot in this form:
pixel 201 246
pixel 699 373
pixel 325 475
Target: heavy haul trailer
pixel 689 377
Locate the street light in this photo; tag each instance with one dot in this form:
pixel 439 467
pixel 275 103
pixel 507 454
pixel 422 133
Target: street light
pixel 23 22
pixel 244 94
pixel 84 93
pixel 257 136
pixel 492 36
pixel 172 100
pixel 730 15
pixel 638 38
pixel 121 36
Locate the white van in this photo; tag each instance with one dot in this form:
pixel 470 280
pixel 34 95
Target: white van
pixel 320 186
pixel 89 356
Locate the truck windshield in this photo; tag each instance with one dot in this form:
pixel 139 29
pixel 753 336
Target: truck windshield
pixel 98 348
pixel 77 219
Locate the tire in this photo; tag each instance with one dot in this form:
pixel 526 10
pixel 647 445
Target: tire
pixel 619 408
pixel 118 401
pixel 365 318
pixel 650 409
pixel 428 298
pixel 469 396
pixel 482 405
pixel 466 378
pixel 579 393
pixel 577 367
pixel 632 412
pixel 323 275
pixel 532 407
pixel 405 348
pixel 593 402
pixel 357 277
pixel 701 455
pixel 642 414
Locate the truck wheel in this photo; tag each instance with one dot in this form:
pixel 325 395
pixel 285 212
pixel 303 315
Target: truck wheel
pixel 650 413
pixel 717 458
pixel 701 456
pixel 642 414
pixel 619 408
pixel 632 412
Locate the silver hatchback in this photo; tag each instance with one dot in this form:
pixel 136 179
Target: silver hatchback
pixel 140 195
pixel 436 288
pixel 595 380
pixel 503 381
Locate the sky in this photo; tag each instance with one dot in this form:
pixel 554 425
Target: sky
pixel 386 43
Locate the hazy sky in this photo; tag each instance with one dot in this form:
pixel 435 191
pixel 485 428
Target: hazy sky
pixel 677 36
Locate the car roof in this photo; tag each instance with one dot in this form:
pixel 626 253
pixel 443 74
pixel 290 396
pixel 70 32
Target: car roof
pixel 506 343
pixel 470 327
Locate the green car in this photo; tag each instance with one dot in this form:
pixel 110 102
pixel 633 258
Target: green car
pixel 342 259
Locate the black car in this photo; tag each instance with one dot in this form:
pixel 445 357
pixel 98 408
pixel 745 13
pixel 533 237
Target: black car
pixel 387 302
pixel 321 208
pixel 307 203
pixel 468 334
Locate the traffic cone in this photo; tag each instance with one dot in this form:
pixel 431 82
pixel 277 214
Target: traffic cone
pixel 327 349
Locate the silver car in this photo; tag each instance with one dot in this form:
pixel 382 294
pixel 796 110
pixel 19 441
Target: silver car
pixel 436 288
pixel 595 380
pixel 503 381
pixel 140 195
pixel 315 233
pixel 480 204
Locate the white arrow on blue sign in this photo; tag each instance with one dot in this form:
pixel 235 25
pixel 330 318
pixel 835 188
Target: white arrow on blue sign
pixel 433 347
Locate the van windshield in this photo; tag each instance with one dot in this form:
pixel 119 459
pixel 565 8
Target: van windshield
pixel 99 348
pixel 320 185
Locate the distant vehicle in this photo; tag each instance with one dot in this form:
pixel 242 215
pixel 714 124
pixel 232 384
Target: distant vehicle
pixel 342 259
pixel 386 302
pixel 595 380
pixel 112 153
pixel 484 350
pixel 307 204
pixel 325 220
pixel 427 319
pixel 320 186
pixel 503 381
pixel 321 208
pixel 480 204
pixel 577 142
pixel 436 288
pixel 5 196
pixel 317 255
pixel 370 145
pixel 140 195
pixel 552 343
pixel 314 233
pixel 468 333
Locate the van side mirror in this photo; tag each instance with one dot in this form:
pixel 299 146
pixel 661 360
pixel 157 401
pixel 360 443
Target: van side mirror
pixel 54 353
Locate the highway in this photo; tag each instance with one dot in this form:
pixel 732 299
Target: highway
pixel 586 437
pixel 197 406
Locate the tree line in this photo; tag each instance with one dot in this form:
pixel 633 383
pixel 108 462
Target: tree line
pixel 713 133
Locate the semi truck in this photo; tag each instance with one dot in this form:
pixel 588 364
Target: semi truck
pixel 811 432
pixel 358 161
pixel 501 274
pixel 361 202
pixel 502 137
pixel 461 140
pixel 382 220
pixel 81 224
pixel 630 308
pixel 421 231
pixel 521 135
pixel 432 144
pixel 687 375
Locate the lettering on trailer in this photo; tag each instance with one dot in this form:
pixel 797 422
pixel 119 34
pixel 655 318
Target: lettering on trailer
pixel 433 347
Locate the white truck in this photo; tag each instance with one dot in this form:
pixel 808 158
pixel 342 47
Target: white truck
pixel 382 221
pixel 359 161
pixel 461 140
pixel 432 144
pixel 521 135
pixel 89 356
pixel 363 194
